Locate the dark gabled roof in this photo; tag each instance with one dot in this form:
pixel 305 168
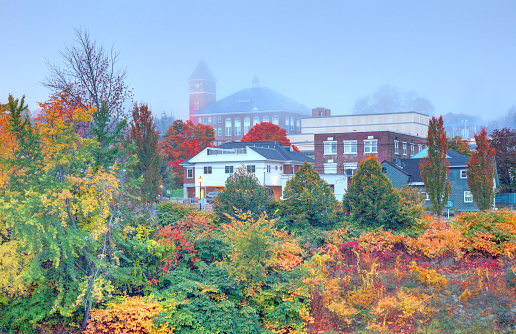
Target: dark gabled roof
pixel 270 150
pixel 202 72
pixel 411 166
pixel 392 164
pixel 257 99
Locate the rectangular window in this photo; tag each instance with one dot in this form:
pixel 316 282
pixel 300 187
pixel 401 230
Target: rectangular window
pixel 330 147
pixel 463 174
pixel 220 132
pixel 251 168
pixel 411 149
pixel 404 148
pixel 229 169
pixel 330 168
pixel 349 168
pixel 189 173
pixel 419 147
pixel 207 170
pixel 468 198
pixel 268 168
pixel 396 147
pixel 350 147
pixel 370 146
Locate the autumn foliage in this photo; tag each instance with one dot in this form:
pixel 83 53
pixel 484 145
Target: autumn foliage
pixel 265 131
pixel 481 172
pixel 183 141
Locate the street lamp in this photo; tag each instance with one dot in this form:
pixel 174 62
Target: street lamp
pixel 160 192
pixel 200 194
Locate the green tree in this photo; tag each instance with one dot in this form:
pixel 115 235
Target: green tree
pixel 308 200
pixel 481 172
pixel 435 167
pixel 145 140
pixel 242 192
pixel 504 143
pixel 61 212
pixel 371 199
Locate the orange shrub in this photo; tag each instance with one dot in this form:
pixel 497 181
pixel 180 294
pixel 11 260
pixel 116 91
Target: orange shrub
pixel 131 315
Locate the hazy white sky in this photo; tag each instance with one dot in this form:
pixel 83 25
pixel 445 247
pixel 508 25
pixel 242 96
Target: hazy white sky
pixel 458 54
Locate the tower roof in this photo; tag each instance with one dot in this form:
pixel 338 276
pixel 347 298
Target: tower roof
pixel 258 99
pixel 202 72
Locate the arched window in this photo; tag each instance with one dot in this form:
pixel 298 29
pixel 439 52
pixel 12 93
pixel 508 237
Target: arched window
pixel 204 120
pixel 228 126
pixel 238 127
pixel 214 120
pixel 298 125
pixel 256 120
pixel 199 120
pixel 275 119
pixel 247 125
pixel 209 120
pixel 265 118
pixel 286 123
pixel 292 123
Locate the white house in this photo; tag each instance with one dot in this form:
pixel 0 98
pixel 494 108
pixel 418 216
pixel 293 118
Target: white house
pixel 272 163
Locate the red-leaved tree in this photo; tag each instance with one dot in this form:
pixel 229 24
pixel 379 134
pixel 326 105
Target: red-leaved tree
pixel 504 143
pixel 145 139
pixel 267 131
pixel 183 141
pixel 481 172
pixel 434 168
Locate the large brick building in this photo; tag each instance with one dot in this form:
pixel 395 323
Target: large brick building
pixel 233 116
pixel 340 153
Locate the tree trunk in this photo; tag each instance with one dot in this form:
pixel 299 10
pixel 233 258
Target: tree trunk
pixel 87 312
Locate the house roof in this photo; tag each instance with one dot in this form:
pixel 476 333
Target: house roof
pixel 202 72
pixel 256 99
pixel 411 166
pixel 269 150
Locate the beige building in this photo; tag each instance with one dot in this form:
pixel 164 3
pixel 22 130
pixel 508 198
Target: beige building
pixel 412 123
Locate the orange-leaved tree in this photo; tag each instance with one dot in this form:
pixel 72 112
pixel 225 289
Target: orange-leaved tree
pixel 481 172
pixel 435 168
pixel 268 131
pixel 183 141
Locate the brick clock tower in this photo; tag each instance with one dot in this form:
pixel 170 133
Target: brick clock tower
pixel 202 89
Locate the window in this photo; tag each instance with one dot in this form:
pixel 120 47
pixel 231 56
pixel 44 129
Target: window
pixel 238 127
pixel 371 146
pixel 189 173
pixel 427 197
pixel 396 147
pixel 229 169
pixel 207 170
pixel 268 168
pixel 286 123
pixel 384 170
pixel 275 120
pixel 196 105
pixel 247 125
pixel 291 123
pixel 228 126
pixel 298 125
pixel 220 132
pixel 330 168
pixel 411 149
pixel 199 120
pixel 349 168
pixel 251 168
pixel 209 120
pixel 265 118
pixel 204 120
pixel 256 120
pixel 350 147
pixel 419 147
pixel 220 120
pixel 463 174
pixel 214 120
pixel 330 147
pixel 468 198
pixel 404 148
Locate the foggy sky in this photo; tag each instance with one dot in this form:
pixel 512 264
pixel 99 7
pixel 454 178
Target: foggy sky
pixel 457 54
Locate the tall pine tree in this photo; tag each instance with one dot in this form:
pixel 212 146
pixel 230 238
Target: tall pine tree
pixel 481 172
pixel 435 167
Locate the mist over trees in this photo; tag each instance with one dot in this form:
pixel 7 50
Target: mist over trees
pixel 506 121
pixel 390 99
